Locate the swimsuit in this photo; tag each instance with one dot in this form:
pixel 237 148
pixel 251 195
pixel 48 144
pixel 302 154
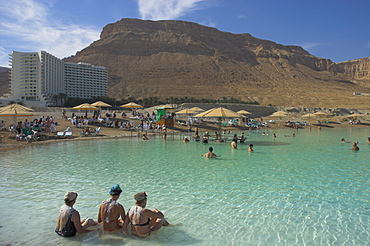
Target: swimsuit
pixel 145 224
pixel 136 211
pixel 109 204
pixel 69 229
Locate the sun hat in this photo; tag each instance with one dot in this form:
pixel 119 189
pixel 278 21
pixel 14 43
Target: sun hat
pixel 70 196
pixel 115 190
pixel 141 196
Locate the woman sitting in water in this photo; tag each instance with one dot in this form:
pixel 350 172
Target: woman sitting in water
pixel 145 221
pixel 111 213
pixel 68 222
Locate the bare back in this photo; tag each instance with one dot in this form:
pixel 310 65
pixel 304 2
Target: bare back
pixel 109 213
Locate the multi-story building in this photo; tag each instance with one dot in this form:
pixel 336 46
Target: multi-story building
pixel 37 76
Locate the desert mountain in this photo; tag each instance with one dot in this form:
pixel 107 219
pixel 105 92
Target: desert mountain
pixel 182 59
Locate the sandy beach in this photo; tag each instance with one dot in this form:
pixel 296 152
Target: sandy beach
pixel 8 140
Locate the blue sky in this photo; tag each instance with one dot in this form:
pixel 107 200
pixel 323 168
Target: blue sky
pixel 334 29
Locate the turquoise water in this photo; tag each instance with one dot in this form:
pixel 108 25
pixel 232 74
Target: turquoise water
pixel 304 190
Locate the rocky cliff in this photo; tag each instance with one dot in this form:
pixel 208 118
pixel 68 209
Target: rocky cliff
pixel 183 59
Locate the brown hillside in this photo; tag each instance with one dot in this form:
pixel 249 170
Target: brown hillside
pixel 178 59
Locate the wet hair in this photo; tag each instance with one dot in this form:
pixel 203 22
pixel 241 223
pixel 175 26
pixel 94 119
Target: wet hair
pixel 210 149
pixel 251 145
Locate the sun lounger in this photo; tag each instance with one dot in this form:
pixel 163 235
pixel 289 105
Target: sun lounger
pixel 59 135
pixel 68 134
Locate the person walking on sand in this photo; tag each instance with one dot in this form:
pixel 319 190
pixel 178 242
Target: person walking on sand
pixel 144 221
pixel 210 154
pixel 69 222
pixel 112 214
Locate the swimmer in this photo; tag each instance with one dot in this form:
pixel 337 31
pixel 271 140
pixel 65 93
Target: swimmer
pixel 186 139
pixel 355 147
pixel 233 144
pixel 264 134
pixel 112 214
pixel 343 140
pixel 274 135
pixel 250 149
pixel 145 137
pixel 368 140
pixel 242 138
pixel 69 222
pixel 205 139
pixel 210 154
pixel 145 221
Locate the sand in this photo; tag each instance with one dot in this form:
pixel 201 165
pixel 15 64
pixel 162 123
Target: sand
pixel 8 141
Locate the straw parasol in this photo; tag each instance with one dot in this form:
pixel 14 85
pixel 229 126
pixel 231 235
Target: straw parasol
pixel 197 109
pixel 320 114
pixel 186 111
pixel 166 106
pixel 243 112
pixel 218 113
pixel 279 114
pixel 17 106
pixel 309 115
pixel 355 115
pixel 101 104
pixel 85 106
pixel 131 105
pixel 15 111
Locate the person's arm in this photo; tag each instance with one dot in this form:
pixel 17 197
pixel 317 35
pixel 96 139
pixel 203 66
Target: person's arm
pixel 126 222
pixel 122 213
pixel 99 214
pixel 154 214
pixel 77 222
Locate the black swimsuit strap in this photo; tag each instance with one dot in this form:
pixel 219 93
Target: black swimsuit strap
pixel 147 223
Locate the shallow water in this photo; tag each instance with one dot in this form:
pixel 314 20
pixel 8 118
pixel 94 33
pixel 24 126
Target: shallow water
pixel 304 190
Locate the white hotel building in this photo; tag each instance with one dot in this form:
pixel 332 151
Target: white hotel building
pixel 37 76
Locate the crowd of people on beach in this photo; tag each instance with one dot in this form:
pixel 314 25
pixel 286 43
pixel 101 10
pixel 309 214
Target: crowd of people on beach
pixel 112 217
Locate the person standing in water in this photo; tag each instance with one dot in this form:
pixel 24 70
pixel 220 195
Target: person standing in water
pixel 234 144
pixel 354 146
pixel 250 149
pixel 210 154
pixel 69 222
pixel 145 221
pixel 111 213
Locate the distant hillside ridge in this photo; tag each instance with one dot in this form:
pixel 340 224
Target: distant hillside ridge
pixel 167 59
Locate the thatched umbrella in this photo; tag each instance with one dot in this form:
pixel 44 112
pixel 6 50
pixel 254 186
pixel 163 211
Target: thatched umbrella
pixel 131 105
pixel 279 114
pixel 197 109
pixel 219 113
pixel 85 106
pixel 15 110
pixel 309 115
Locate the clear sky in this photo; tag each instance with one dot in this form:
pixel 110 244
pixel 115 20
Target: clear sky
pixel 334 29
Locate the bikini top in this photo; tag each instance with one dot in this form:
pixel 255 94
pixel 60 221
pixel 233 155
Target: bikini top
pixel 136 211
